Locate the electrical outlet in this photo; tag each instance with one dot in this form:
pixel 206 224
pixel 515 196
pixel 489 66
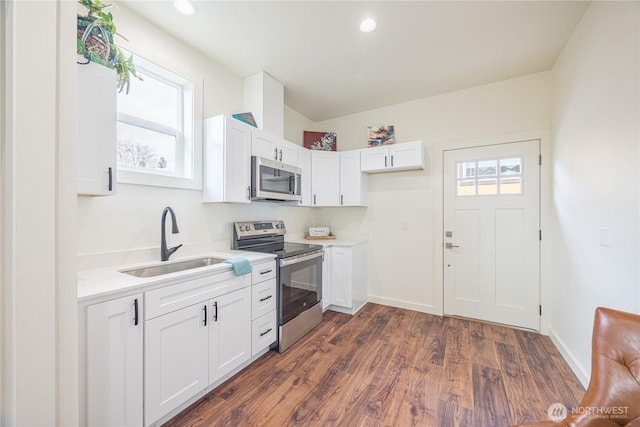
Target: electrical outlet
pixel 223 227
pixel 405 225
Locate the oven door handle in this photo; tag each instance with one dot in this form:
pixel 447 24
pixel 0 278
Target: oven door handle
pixel 300 258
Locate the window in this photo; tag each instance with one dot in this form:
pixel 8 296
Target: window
pixel 489 177
pixel 157 144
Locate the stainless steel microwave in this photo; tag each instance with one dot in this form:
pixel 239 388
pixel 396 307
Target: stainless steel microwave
pixel 274 181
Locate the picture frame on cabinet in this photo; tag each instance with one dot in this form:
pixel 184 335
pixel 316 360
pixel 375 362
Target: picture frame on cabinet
pixel 380 135
pixel 324 141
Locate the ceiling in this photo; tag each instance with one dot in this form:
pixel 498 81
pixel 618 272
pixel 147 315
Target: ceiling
pixel 419 48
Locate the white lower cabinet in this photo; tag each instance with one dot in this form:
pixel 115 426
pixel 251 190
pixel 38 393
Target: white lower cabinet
pixel 348 277
pixel 114 362
pixel 196 334
pixel 229 333
pixel 176 359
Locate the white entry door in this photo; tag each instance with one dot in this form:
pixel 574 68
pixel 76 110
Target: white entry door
pixel 492 233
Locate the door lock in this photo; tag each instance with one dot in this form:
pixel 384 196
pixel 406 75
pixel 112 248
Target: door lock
pixel 449 245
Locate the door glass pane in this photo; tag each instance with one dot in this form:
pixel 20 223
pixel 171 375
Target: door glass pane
pixel 147 149
pixel 466 188
pixel 487 186
pixel 511 185
pixel 510 166
pixel 466 170
pixel 487 168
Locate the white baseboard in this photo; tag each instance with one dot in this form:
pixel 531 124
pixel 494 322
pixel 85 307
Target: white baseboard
pixel 582 373
pixel 423 308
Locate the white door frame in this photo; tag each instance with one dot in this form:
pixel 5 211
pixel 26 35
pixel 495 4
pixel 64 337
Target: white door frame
pixel 545 203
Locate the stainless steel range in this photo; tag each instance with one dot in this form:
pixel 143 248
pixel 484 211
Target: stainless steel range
pixel 299 276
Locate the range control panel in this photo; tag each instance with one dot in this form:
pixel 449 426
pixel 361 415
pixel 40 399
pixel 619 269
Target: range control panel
pixel 259 228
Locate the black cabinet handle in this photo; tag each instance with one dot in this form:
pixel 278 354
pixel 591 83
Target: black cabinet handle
pixel 385 161
pixel 266 271
pixel 265 332
pixel 392 160
pixel 205 314
pixel 265 298
pixel 314 199
pixel 281 154
pixel 275 152
pixel 215 314
pixel 110 179
pixel 135 312
pixel 342 199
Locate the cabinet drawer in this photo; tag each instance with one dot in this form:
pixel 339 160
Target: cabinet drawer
pixel 171 298
pixel 263 298
pixel 263 332
pixel 263 271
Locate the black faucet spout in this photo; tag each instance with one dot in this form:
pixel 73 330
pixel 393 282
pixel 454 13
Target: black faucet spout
pixel 165 252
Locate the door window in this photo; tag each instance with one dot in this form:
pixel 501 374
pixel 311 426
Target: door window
pixel 489 177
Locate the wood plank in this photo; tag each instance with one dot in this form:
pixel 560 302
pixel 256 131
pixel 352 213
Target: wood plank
pixel 386 366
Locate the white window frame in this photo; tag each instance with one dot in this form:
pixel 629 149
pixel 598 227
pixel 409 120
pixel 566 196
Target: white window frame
pixel 188 173
pixel 498 176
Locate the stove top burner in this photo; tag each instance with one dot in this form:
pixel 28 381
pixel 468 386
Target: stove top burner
pixel 284 249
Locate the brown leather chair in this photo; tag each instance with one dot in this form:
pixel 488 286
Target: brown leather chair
pixel 613 396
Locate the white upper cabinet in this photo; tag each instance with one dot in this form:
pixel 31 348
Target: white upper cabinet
pixel 395 157
pixel 264 144
pixel 353 183
pixel 96 130
pixel 325 178
pixel 304 163
pixel 227 163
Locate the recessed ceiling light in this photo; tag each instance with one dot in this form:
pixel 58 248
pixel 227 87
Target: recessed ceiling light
pixel 184 6
pixel 367 25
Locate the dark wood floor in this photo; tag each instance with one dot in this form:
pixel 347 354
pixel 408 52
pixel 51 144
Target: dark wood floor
pixel 393 367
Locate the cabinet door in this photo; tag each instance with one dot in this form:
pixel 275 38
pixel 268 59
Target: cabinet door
pixel 114 362
pixel 288 153
pixel 230 332
pixel 341 276
pixel 352 180
pixel 176 362
pixel 96 129
pixel 264 145
pixel 376 158
pixel 227 161
pixel 325 178
pixel 304 163
pixel 407 155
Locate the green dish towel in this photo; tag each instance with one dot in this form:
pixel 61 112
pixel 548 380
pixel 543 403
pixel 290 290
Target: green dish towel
pixel 240 265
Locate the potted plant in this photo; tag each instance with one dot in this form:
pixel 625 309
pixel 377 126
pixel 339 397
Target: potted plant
pixel 96 31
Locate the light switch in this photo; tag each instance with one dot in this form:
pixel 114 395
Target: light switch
pixel 604 237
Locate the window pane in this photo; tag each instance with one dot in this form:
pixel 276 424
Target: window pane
pixel 487 186
pixel 511 185
pixel 466 188
pixel 143 148
pixel 466 170
pixel 152 100
pixel 510 166
pixel 487 168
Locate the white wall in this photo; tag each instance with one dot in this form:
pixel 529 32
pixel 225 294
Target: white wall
pixel 130 220
pixel 595 176
pixel 403 264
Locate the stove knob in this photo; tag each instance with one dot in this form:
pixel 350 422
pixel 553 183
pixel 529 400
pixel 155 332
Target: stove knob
pixel 242 228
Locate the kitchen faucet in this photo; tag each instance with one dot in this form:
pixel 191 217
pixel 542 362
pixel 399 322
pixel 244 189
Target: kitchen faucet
pixel 165 252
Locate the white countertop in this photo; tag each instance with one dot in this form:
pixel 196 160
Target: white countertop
pixel 109 280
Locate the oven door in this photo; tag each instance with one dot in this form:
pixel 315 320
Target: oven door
pixel 300 284
pixel 274 181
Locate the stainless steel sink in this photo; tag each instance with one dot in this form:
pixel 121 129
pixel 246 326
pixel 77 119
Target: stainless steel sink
pixel 159 269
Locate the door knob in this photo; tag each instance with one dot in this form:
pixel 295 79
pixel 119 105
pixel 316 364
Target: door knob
pixel 450 245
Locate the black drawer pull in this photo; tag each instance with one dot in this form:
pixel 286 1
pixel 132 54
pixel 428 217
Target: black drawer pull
pixel 215 315
pixel 265 298
pixel 266 271
pixel 265 332
pixel 135 312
